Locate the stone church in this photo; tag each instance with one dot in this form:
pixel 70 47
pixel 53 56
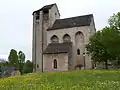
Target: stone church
pixel 59 44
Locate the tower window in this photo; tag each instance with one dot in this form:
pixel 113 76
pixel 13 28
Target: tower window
pixel 37 15
pixel 45 11
pixel 78 51
pixel 55 64
pixel 45 15
pixel 55 14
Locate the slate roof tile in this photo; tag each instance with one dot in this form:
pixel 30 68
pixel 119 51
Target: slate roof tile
pixel 84 20
pixel 55 48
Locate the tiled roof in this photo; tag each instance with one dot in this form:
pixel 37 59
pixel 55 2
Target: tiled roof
pixel 84 20
pixel 55 48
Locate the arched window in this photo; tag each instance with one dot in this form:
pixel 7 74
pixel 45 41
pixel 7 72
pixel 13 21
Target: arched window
pixel 66 38
pixel 54 39
pixel 78 51
pixel 55 64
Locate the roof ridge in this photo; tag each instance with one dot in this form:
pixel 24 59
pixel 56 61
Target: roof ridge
pixel 76 16
pixel 49 5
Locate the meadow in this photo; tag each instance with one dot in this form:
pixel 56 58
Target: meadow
pixel 69 80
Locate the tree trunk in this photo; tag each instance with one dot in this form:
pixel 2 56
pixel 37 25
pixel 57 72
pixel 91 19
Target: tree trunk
pixel 106 65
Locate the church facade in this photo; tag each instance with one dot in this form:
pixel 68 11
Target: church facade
pixel 59 44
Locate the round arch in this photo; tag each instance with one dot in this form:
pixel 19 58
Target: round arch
pixel 55 64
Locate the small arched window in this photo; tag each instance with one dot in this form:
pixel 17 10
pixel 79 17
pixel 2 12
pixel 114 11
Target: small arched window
pixel 55 64
pixel 78 51
pixel 54 39
pixel 66 38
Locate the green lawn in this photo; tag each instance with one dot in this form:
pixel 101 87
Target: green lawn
pixel 71 80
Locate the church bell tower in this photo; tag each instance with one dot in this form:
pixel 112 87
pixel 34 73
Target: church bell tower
pixel 42 20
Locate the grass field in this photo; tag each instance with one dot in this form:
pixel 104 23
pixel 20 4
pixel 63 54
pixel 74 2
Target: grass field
pixel 70 80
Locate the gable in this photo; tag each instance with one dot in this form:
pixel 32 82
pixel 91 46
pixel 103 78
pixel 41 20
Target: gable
pixel 46 7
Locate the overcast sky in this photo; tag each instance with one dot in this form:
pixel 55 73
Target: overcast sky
pixel 16 19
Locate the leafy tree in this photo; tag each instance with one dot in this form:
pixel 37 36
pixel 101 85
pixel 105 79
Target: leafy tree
pixel 4 63
pixel 1 65
pixel 0 69
pixel 21 60
pixel 101 46
pixel 17 59
pixel 104 44
pixel 13 58
pixel 21 57
pixel 114 21
pixel 28 67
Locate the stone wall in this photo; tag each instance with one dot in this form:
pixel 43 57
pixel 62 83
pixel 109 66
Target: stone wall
pixel 62 62
pixel 40 35
pixel 85 30
pixel 41 38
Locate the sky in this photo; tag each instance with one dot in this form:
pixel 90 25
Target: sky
pixel 16 19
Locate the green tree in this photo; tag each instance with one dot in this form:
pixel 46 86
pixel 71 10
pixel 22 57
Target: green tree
pixel 104 46
pixel 13 58
pixel 114 21
pixel 28 67
pixel 4 63
pixel 21 60
pixel 21 57
pixel 0 69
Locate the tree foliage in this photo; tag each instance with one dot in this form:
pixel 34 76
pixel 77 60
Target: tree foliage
pixel 21 57
pixel 0 69
pixel 16 59
pixel 114 21
pixel 28 67
pixel 21 60
pixel 13 58
pixel 4 63
pixel 104 45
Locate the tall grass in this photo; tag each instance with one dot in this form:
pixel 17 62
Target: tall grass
pixel 70 80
